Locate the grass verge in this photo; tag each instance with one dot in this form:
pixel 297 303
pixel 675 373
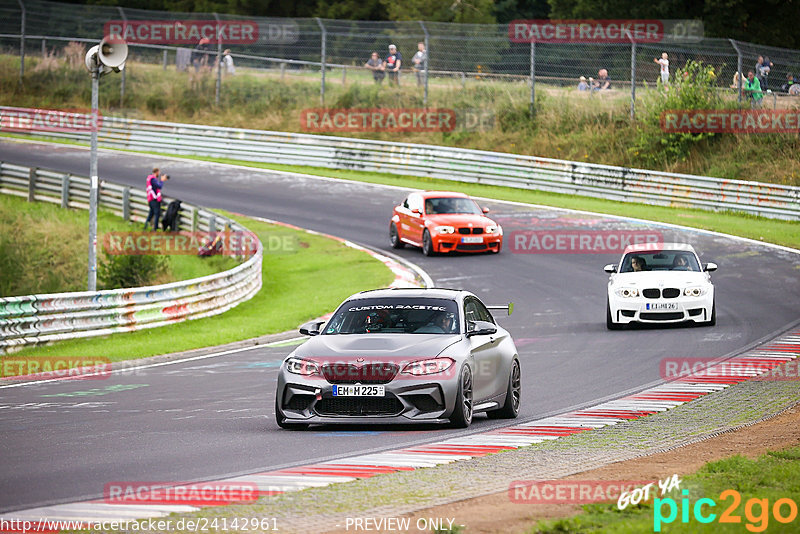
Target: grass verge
pixel 760 483
pixel 43 249
pixel 295 289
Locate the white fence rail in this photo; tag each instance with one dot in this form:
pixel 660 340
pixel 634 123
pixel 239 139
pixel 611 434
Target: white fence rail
pixel 36 319
pixel 463 165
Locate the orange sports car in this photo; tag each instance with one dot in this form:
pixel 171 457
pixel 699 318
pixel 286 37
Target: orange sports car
pixel 440 221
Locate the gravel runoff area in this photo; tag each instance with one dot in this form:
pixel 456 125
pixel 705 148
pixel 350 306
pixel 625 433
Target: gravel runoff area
pixel 392 495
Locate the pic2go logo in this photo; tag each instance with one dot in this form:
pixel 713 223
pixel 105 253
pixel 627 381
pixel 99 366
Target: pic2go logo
pixel 756 511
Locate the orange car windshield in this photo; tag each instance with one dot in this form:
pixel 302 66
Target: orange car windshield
pixel 440 206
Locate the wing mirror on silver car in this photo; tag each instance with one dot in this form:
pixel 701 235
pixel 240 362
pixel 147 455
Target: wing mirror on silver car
pixel 610 268
pixel 710 267
pixel 480 328
pixel 311 328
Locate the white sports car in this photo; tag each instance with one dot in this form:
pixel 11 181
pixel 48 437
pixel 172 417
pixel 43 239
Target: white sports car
pixel 660 283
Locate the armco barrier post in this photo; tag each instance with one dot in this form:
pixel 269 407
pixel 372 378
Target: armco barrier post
pixel 32 184
pixel 164 62
pixel 194 219
pixel 126 204
pixel 65 191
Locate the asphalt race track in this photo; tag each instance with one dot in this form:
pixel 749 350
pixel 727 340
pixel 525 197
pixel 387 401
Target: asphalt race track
pixel 205 419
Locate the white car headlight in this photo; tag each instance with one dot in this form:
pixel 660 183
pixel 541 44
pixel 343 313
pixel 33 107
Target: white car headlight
pixel 492 229
pixel 695 291
pixel 428 367
pixel 444 229
pixel 301 366
pixel 627 292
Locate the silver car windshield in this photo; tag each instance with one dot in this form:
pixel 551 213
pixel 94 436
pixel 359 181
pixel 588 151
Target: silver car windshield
pixel 660 260
pixel 395 316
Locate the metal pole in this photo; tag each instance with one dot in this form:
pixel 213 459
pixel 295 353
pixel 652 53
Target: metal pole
pixel 122 80
pixel 94 184
pixel 427 62
pixel 738 68
pixel 633 79
pixel 44 48
pixel 165 59
pixel 22 43
pixel 323 38
pixel 533 78
pixel 219 61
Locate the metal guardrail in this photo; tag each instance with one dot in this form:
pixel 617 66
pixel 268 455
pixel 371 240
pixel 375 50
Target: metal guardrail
pixel 457 164
pixel 37 319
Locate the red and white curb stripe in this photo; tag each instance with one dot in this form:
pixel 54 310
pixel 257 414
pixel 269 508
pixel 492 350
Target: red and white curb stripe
pixel 656 399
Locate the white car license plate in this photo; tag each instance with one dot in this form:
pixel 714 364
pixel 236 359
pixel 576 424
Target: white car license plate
pixel 472 239
pixel 359 390
pixel 661 306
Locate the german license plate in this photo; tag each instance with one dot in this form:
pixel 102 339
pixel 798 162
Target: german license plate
pixel 359 390
pixel 472 239
pixel 662 306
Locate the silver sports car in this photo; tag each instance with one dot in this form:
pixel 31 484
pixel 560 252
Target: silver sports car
pixel 401 355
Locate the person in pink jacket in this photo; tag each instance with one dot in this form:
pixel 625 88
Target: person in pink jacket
pixel 153 189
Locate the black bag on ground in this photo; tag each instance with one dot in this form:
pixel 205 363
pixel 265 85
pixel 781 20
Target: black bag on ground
pixel 170 219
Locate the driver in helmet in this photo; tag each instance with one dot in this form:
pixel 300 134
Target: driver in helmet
pixel 376 321
pixel 446 321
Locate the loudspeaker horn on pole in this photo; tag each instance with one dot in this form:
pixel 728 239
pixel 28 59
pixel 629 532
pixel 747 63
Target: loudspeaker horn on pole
pixel 108 56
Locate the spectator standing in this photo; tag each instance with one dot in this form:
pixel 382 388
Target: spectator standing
pixel 376 66
pixel 200 55
pixel 752 87
pixel 227 60
pixel 392 65
pixel 420 61
pixel 664 64
pixel 153 189
pixel 582 85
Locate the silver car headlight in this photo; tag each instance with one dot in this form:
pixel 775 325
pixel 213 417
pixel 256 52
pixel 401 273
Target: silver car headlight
pixel 301 366
pixel 428 367
pixel 627 292
pixel 444 229
pixel 694 291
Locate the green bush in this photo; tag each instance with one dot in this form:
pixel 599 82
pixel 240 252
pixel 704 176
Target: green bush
pixel 693 87
pixel 117 271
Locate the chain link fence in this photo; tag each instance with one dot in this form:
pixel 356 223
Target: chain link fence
pixel 459 56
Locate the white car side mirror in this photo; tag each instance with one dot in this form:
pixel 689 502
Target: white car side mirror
pixel 610 268
pixel 710 267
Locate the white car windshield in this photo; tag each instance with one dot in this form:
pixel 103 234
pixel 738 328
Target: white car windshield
pixel 439 206
pixel 395 316
pixel 660 260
